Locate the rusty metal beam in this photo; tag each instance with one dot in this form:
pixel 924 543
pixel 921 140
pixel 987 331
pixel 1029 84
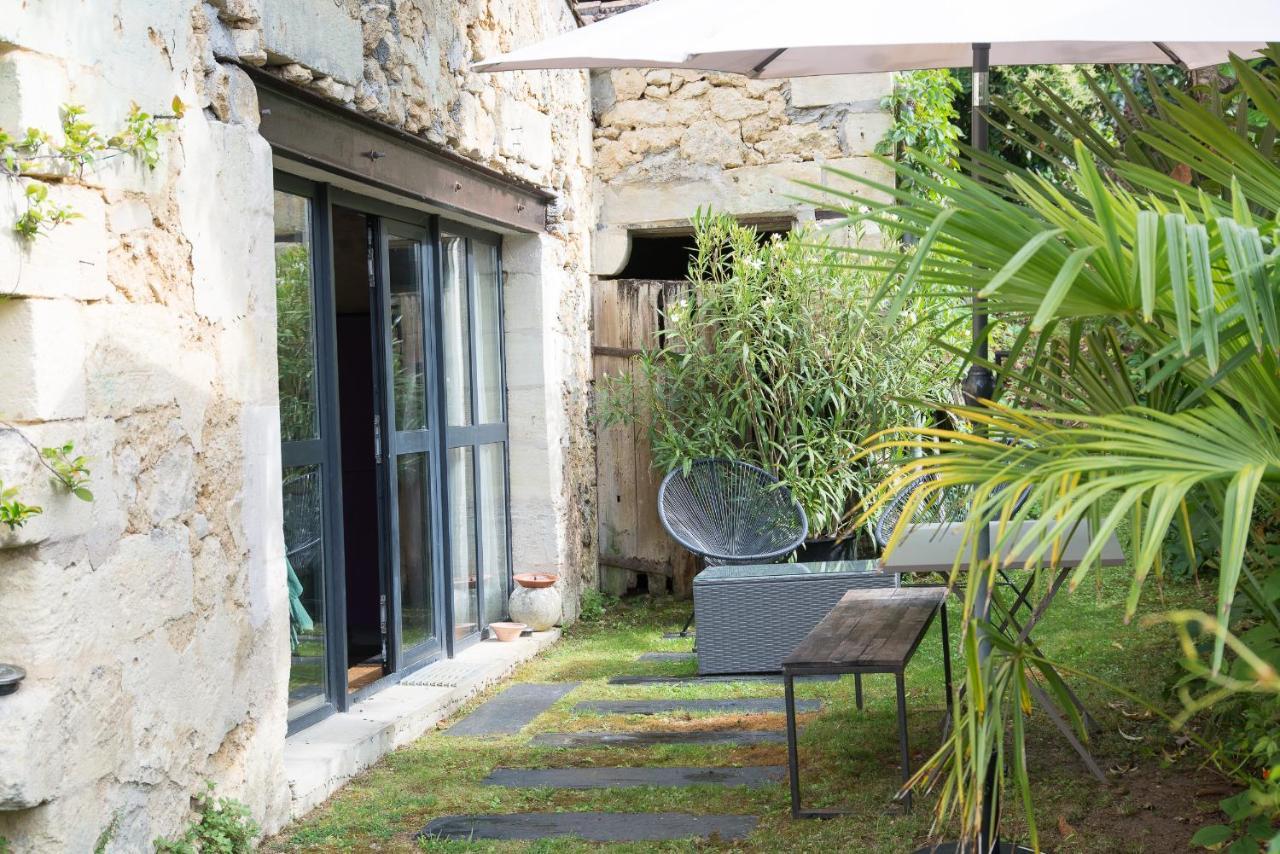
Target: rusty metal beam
pixel 306 128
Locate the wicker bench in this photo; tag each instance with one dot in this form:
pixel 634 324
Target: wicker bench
pixel 868 631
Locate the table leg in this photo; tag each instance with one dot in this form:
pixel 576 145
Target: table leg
pixel 946 655
pixel 857 690
pixel 902 735
pixel 793 760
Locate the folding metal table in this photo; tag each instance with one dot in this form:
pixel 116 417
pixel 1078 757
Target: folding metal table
pixel 932 547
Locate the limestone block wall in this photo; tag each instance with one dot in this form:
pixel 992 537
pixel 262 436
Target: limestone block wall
pixel 153 622
pixel 669 142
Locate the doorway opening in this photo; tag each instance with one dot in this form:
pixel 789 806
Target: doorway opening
pixel 357 408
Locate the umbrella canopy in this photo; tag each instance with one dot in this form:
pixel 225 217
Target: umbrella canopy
pixel 766 38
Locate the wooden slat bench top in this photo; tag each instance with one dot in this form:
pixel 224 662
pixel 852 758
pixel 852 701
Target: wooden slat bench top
pixel 868 630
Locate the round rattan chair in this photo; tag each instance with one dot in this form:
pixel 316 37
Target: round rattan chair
pixel 729 512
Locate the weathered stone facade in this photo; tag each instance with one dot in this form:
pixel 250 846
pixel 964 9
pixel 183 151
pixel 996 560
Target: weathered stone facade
pixel 669 142
pixel 153 622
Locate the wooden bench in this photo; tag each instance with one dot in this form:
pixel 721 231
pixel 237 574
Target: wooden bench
pixel 868 631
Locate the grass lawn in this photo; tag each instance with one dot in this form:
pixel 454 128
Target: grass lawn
pixel 1156 796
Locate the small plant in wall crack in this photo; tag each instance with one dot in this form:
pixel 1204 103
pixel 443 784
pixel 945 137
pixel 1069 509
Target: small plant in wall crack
pixel 38 155
pixel 223 825
pixel 70 471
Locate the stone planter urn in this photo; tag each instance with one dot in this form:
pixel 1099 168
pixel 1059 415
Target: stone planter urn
pixel 535 601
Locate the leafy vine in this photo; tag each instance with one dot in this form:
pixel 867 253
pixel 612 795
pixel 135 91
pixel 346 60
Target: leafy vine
pixel 68 470
pixel 38 155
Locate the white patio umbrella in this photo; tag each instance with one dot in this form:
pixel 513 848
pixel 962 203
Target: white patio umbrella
pixel 798 38
pixel 767 38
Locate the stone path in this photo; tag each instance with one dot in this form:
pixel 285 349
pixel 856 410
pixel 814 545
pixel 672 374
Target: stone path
pixel 693 680
pixel 668 656
pixel 517 706
pixel 661 707
pixel 751 776
pixel 510 711
pixel 592 826
pixel 651 738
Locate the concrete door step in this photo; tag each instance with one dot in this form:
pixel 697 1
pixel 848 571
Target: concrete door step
pixel 660 707
pixel 752 776
pixel 643 738
pixel 511 711
pixel 592 826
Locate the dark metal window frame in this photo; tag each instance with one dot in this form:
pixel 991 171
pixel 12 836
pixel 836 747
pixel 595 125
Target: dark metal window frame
pixel 327 449
pixel 475 435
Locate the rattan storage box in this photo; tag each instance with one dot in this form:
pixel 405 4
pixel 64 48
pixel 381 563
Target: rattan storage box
pixel 750 618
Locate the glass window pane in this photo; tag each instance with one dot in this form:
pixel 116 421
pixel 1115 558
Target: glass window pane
pixel 491 462
pixel 304 554
pixel 295 331
pixel 488 334
pixel 408 336
pixel 457 332
pixel 462 542
pixel 413 493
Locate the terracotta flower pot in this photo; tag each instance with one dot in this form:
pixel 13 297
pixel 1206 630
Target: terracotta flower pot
pixel 535 580
pixel 507 632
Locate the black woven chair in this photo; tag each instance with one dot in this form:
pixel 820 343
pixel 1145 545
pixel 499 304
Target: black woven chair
pixel 728 512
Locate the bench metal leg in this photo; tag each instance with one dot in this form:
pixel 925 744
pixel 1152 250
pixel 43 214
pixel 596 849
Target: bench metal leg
pixel 902 735
pixel 946 655
pixel 793 759
pixel 857 690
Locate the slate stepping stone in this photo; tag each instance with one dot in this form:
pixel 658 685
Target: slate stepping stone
pixel 645 738
pixel 751 776
pixel 690 680
pixel 510 711
pixel 668 656
pixel 592 826
pixel 660 707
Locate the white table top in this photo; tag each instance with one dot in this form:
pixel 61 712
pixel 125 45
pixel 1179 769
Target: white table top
pixel 932 547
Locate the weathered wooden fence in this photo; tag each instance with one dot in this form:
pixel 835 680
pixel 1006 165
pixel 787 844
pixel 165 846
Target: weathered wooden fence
pixel 627 316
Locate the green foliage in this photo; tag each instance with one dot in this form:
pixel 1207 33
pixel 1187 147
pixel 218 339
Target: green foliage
pixel 221 826
pixel 1140 296
pixel 108 833
pixel 38 155
pixel 41 214
pixel 295 341
pixel 69 472
pixel 4 845
pixel 593 605
pixel 13 513
pixel 763 361
pixel 925 120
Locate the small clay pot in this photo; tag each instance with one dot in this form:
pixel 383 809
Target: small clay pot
pixel 507 632
pixel 535 580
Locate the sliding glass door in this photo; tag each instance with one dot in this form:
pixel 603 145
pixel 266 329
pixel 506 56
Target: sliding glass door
pixel 476 429
pixel 393 440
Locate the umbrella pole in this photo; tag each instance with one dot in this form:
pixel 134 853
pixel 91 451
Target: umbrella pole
pixel 979 385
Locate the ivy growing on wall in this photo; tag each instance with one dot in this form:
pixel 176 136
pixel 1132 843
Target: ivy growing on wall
pixel 68 471
pixel 37 154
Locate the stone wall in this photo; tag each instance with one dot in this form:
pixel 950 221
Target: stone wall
pixel 669 142
pixel 153 622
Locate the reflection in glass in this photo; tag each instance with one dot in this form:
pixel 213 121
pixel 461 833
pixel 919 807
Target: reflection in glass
pixel 488 334
pixel 414 501
pixel 304 555
pixel 462 541
pixel 408 337
pixel 295 331
pixel 456 331
pixel 492 465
